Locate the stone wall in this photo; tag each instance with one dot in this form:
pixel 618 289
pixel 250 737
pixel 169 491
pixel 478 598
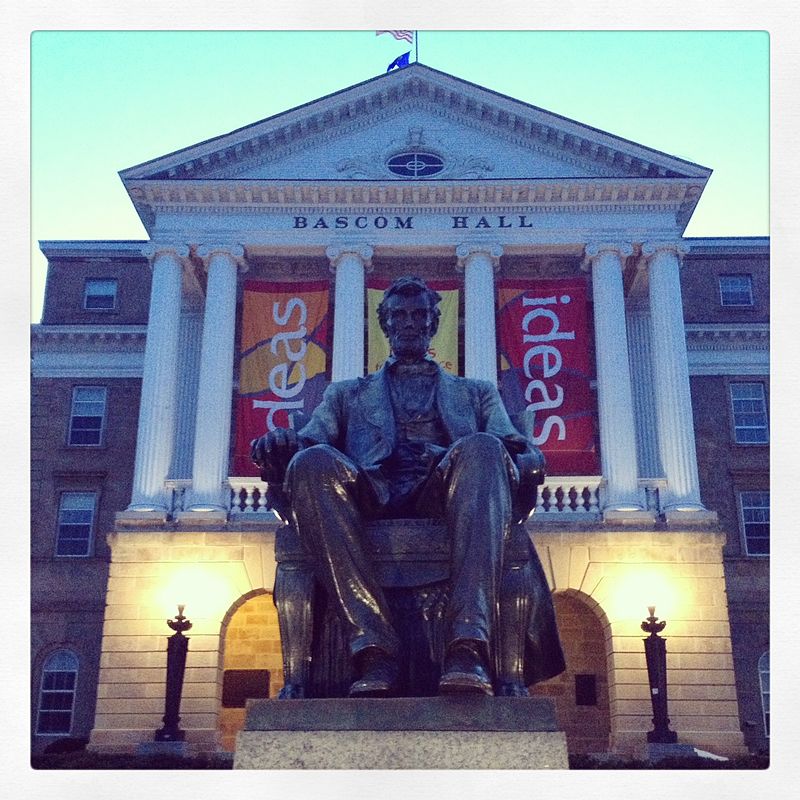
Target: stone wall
pixel 615 572
pixel 231 573
pixel 150 573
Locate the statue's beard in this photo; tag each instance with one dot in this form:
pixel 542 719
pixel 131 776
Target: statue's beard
pixel 410 346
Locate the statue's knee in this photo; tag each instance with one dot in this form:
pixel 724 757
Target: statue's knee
pixel 483 446
pixel 313 463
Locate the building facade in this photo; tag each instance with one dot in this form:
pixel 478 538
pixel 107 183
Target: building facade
pixel 559 250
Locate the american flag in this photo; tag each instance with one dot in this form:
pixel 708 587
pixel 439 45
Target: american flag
pixel 406 36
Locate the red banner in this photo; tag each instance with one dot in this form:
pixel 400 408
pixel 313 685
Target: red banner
pixel 545 369
pixel 284 355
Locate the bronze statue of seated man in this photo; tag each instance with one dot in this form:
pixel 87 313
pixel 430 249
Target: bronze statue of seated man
pixel 411 441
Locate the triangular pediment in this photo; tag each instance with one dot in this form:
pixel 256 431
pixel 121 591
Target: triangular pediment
pixel 415 123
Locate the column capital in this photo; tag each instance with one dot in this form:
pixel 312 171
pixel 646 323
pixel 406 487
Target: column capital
pixel 491 249
pixel 152 250
pixel 233 251
pixel 593 250
pixel 336 252
pixel 651 249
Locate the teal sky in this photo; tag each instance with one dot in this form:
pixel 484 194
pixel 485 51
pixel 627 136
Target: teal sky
pixel 107 100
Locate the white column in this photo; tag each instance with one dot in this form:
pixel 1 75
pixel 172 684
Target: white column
pixel 639 345
pixel 479 262
pixel 215 386
pixel 671 386
pixel 348 262
pixel 157 406
pixel 188 369
pixel 614 396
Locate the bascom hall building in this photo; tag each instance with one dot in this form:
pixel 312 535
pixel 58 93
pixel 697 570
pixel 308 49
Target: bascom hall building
pixel 639 357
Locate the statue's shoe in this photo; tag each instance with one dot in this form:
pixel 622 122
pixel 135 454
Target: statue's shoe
pixel 292 691
pixel 379 674
pixel 465 672
pixel 512 689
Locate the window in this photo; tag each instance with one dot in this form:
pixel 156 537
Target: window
pixel 415 165
pixel 755 522
pixel 100 294
pixel 736 290
pixel 749 413
pixel 57 697
pixel 763 679
pixel 75 519
pixel 88 411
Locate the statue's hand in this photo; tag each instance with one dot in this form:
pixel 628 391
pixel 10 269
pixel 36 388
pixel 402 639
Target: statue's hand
pixel 273 451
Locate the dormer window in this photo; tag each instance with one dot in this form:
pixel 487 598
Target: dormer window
pixel 100 294
pixel 415 164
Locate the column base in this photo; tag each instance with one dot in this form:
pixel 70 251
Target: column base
pixel 202 517
pixel 133 518
pixel 180 749
pixel 700 517
pixel 638 516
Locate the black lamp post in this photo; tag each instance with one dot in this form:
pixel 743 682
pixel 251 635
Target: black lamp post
pixel 655 651
pixel 177 646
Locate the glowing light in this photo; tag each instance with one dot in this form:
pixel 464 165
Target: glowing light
pixel 203 589
pixel 643 586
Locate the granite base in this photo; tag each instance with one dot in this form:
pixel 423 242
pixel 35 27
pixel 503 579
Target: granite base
pixel 402 733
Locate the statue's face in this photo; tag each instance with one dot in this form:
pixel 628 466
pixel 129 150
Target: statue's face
pixel 409 325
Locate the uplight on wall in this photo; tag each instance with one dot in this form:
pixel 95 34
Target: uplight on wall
pixel 205 588
pixel 643 585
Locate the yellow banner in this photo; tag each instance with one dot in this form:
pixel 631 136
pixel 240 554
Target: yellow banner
pixel 444 346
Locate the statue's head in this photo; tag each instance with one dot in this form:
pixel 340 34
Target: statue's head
pixel 409 316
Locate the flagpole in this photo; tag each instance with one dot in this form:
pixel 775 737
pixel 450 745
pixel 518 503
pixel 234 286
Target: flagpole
pixel 416 45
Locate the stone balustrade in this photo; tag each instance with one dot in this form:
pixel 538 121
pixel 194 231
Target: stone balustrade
pixel 561 498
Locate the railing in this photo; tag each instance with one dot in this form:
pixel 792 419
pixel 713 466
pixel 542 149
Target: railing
pixel 176 490
pixel 560 498
pixel 248 496
pixel 557 498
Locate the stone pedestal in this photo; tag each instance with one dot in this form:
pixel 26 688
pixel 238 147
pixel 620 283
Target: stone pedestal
pixel 402 733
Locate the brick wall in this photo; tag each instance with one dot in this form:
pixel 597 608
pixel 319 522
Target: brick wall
pixel 587 727
pixel 64 295
pixel 68 593
pixel 700 288
pixel 252 641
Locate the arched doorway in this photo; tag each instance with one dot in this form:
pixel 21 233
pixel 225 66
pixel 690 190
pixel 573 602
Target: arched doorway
pixel 581 692
pixel 251 660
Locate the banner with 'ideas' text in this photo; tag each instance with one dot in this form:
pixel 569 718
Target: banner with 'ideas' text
pixel 545 369
pixel 283 359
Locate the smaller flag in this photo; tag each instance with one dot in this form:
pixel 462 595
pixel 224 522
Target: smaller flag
pixel 406 36
pixel 399 62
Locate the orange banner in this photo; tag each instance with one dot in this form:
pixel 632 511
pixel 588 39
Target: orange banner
pixel 283 360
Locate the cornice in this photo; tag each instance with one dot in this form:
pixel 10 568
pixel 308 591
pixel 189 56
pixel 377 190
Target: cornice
pixel 728 245
pixel 51 334
pixel 721 336
pixel 90 249
pixel 259 196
